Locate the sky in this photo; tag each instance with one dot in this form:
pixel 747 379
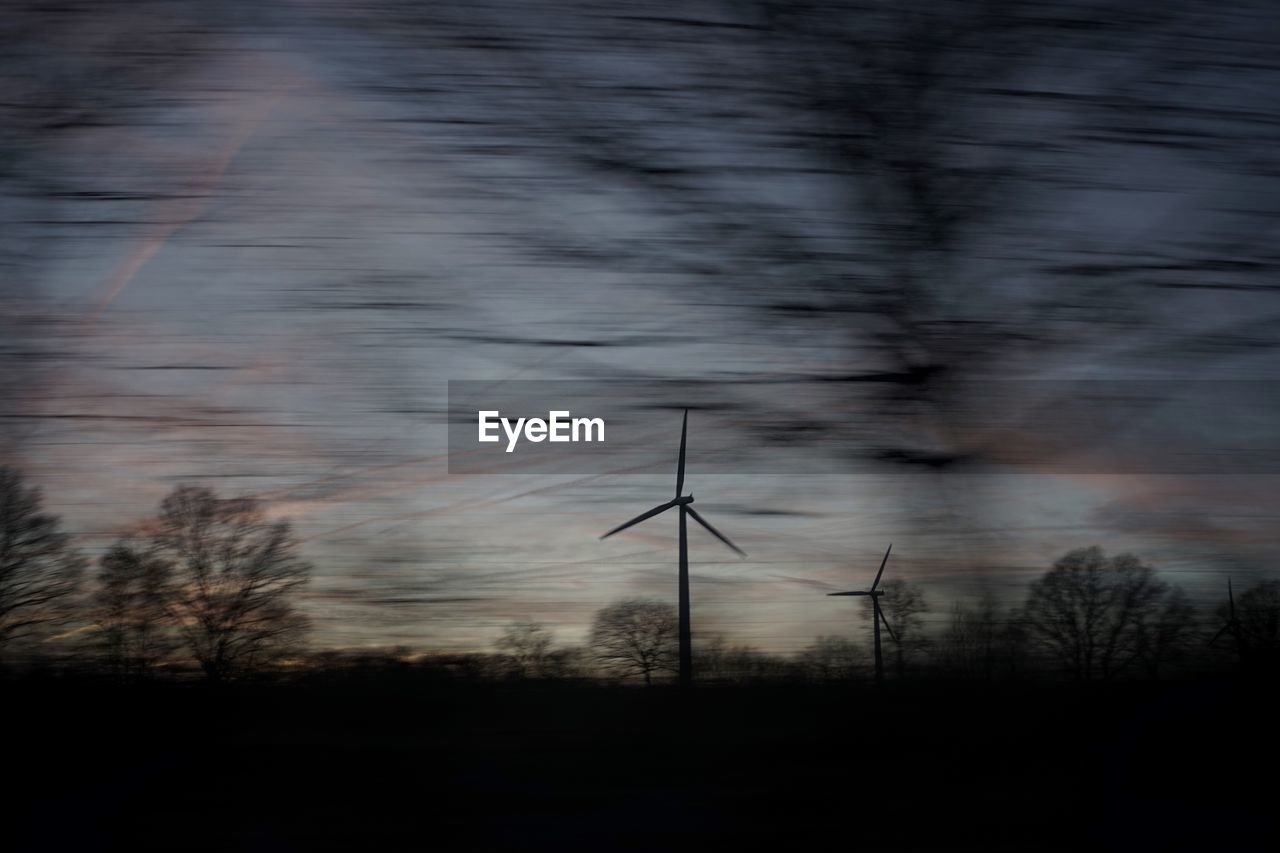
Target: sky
pixel 255 261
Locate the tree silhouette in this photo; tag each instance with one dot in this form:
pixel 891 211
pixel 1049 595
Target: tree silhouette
pixel 1172 636
pixel 715 659
pixel 636 636
pixel 134 608
pixel 1260 618
pixel 1096 615
pixel 831 657
pixel 234 575
pixel 981 640
pixel 39 571
pixel 566 662
pixel 526 647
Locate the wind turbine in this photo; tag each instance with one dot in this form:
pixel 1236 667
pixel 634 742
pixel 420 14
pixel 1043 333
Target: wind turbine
pixel 1232 625
pixel 683 502
pixel 879 614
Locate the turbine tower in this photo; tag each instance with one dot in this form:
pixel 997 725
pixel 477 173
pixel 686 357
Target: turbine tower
pixel 683 502
pixel 878 616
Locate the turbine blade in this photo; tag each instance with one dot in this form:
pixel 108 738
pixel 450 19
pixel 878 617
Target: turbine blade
pixel 880 613
pixel 713 531
pixel 639 518
pixel 848 593
pixel 684 429
pixel 875 582
pixel 1231 598
pixel 1215 637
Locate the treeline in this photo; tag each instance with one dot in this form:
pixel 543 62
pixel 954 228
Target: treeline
pixel 1090 617
pixel 208 586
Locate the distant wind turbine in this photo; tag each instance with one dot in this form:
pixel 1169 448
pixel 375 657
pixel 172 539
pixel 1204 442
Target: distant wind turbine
pixel 879 614
pixel 686 648
pixel 1232 625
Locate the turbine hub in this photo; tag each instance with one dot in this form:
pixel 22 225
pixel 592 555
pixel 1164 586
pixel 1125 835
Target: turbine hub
pixel 685 500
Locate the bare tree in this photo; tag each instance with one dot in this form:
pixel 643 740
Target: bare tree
pixel 1169 640
pixel 831 657
pixel 133 603
pixel 235 574
pixel 714 658
pixel 902 603
pixel 1096 614
pixel 636 636
pixel 567 662
pixel 526 647
pixel 983 640
pixel 976 641
pixel 39 571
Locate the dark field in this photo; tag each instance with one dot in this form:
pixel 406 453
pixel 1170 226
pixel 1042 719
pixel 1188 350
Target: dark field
pixel 449 766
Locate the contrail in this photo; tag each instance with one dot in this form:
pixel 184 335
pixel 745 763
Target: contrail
pixel 187 210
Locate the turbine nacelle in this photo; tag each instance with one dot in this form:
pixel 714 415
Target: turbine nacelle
pixel 682 501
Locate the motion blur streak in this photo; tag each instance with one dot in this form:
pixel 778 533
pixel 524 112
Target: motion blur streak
pixel 886 237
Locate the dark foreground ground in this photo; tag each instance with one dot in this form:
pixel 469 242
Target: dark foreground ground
pixel 446 766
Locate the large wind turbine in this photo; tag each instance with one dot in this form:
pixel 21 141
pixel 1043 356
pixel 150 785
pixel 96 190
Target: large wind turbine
pixel 879 614
pixel 686 648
